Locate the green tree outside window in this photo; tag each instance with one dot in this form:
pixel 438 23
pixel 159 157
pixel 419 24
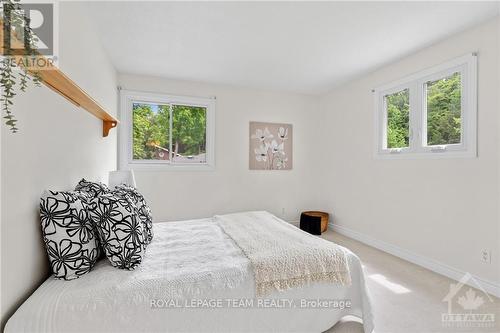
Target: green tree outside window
pixel 444 111
pixel 151 131
pixel 398 119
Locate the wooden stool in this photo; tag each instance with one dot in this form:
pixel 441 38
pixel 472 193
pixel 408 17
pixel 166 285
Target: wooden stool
pixel 314 222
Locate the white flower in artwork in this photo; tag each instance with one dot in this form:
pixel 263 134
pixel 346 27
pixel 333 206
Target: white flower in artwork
pixel 283 133
pixel 262 134
pixel 277 148
pixel 261 153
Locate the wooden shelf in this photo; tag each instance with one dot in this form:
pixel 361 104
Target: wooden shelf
pixel 56 80
pixel 60 83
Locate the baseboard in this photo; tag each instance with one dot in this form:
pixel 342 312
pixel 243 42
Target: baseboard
pixel 431 264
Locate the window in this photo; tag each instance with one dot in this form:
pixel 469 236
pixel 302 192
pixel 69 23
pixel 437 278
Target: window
pixel 164 131
pixel 398 119
pixel 429 114
pixel 444 110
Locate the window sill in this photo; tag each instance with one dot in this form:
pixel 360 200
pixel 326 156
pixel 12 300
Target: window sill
pixel 425 155
pixel 170 167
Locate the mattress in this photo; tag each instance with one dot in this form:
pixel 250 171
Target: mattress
pixel 179 288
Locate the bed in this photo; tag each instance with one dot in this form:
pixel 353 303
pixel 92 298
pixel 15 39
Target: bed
pixel 194 278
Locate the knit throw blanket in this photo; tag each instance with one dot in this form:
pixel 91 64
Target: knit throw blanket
pixel 283 256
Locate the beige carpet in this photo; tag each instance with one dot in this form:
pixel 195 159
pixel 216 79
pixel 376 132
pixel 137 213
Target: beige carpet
pixel 407 298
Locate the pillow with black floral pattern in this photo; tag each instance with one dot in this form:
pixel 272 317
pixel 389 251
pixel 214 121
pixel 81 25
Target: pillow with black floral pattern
pixel 94 189
pixel 143 209
pixel 120 230
pixel 69 236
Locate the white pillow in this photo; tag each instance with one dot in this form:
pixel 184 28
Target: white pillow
pixel 120 230
pixel 69 235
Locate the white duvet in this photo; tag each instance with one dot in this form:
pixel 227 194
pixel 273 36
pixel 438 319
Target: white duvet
pixel 193 278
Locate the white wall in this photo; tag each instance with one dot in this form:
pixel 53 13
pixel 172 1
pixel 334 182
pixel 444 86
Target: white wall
pixel 57 144
pixel 442 209
pixel 176 195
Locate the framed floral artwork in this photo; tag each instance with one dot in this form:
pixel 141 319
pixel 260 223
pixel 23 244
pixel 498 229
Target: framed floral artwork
pixel 270 146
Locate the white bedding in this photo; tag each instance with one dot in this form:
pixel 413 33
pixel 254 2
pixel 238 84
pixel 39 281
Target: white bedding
pixel 192 279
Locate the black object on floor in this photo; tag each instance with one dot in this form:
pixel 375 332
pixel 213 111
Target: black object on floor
pixel 310 224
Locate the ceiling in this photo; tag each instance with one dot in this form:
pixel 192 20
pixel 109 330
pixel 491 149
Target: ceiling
pixel 307 47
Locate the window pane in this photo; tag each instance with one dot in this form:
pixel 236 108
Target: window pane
pixel 150 131
pixel 189 134
pixel 398 119
pixel 444 111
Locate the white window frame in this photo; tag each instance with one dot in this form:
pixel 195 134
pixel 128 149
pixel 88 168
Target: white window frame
pixel 128 97
pixel 467 67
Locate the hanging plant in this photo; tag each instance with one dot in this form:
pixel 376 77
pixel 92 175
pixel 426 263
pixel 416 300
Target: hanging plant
pixel 13 71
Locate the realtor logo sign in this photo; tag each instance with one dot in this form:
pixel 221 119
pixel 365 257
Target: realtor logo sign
pixel 465 303
pixel 39 17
